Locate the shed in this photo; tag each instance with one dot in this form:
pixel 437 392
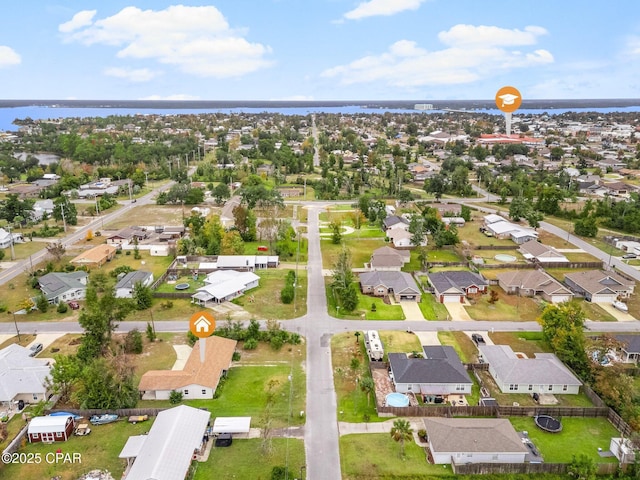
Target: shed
pixel 50 429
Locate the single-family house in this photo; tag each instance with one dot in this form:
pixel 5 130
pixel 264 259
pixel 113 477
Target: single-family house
pixel 474 440
pixel 535 251
pixel 197 380
pixel 224 285
pixel 22 377
pixel 124 287
pixel 126 236
pixel 395 221
pixel 247 263
pixel 7 238
pixel 96 256
pixel 402 238
pixel 400 285
pixel 166 452
pixel 629 351
pixel 227 218
pixel 513 374
pixel 492 218
pixel 529 283
pixel 63 287
pixel 504 229
pixel 49 429
pixel 457 221
pixel 42 208
pixel 389 259
pixel 447 208
pixel 599 286
pixel 455 286
pixel 440 372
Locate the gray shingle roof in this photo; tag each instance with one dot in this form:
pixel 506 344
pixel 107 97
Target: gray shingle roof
pixel 597 281
pixel 20 373
pixel 468 435
pixel 440 365
pixel 401 282
pixel 131 278
pixel 443 281
pixel 56 283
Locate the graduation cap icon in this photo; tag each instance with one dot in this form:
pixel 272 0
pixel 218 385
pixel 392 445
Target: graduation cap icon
pixel 508 99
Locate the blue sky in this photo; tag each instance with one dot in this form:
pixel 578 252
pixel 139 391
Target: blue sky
pixel 319 49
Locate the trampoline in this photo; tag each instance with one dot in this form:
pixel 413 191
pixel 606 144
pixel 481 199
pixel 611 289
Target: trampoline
pixel 548 423
pixel 181 286
pixel 503 257
pixel 397 400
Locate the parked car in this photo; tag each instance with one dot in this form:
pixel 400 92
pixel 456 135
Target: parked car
pixel 224 440
pixel 477 339
pixel 629 256
pixel 73 305
pixel 36 348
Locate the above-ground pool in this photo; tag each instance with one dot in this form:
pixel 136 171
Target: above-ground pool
pixel 548 423
pixel 397 400
pixel 503 257
pixel 181 286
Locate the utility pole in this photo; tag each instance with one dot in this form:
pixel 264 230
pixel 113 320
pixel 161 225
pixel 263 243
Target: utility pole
pixel 130 192
pixel 16 325
pixel 13 254
pixel 64 220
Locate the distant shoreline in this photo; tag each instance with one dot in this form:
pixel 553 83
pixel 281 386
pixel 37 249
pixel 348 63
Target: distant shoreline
pixel 548 104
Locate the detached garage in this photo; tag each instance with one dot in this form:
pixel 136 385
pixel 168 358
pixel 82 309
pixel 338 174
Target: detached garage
pixel 50 429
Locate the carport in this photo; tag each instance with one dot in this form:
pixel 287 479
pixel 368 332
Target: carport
pixel 235 425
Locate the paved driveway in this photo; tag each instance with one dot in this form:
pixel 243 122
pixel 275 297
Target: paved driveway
pixel 484 333
pixel 182 355
pixel 457 312
pixel 620 316
pixel 428 338
pixel 411 311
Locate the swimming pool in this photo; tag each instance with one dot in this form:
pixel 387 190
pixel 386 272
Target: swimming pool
pixel 503 257
pixel 397 400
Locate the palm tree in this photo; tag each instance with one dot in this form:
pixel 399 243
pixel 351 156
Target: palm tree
pixel 367 386
pixel 400 432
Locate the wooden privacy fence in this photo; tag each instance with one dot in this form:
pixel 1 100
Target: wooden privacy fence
pixel 172 294
pixel 496 411
pixel 121 412
pixel 527 468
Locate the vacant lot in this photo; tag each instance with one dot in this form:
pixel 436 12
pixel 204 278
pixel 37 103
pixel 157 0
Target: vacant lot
pixel 365 309
pixel 235 462
pixel 361 250
pixel 508 307
pixel 149 215
pixel 264 301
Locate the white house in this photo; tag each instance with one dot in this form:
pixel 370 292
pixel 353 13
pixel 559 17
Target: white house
pixel 124 287
pixel 224 285
pixel 40 208
pixel 402 238
pixel 474 440
pixel 22 377
pixel 543 374
pixel 63 287
pixel 6 238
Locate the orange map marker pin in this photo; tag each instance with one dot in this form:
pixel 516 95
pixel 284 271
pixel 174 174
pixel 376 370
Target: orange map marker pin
pixel 202 324
pixel 508 99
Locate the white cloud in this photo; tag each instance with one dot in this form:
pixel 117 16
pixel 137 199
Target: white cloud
pixel 294 98
pixel 178 96
pixel 197 40
pixel 633 45
pixel 374 8
pixel 79 20
pixel 133 75
pixel 488 36
pixel 8 56
pixel 405 64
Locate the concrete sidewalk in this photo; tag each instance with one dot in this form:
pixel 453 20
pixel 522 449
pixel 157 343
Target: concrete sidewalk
pixel 347 428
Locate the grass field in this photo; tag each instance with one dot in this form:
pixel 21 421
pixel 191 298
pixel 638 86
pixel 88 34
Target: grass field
pixel 593 311
pixel 264 301
pixel 461 343
pixel 364 309
pixel 352 401
pixel 508 307
pixel 150 215
pixel 578 436
pixel 361 250
pixel 528 343
pixel 399 342
pixel 432 309
pixel 26 249
pixel 377 456
pixel 235 462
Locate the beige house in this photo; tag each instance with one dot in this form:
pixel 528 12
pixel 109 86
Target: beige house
pixel 537 252
pixel 529 283
pixel 198 379
pixel 388 259
pixel 96 256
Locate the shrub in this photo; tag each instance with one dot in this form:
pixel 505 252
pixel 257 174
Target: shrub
pixel 236 356
pixel 133 342
pixel 175 397
pixel 276 342
pixel 42 303
pixel 62 308
pixel 191 338
pixel 151 333
pixel 3 307
pixel 251 344
pixel 286 294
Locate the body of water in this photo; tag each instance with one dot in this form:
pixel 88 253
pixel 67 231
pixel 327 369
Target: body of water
pixel 42 112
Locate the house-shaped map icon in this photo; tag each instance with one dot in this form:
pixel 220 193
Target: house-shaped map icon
pixel 202 325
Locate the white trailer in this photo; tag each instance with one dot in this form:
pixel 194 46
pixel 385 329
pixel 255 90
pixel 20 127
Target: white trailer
pixel 373 345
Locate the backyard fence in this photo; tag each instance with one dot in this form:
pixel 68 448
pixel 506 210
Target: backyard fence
pixel 496 411
pixel 17 441
pixel 527 468
pixel 517 266
pixel 121 412
pixel 544 265
pixel 496 247
pixel 172 294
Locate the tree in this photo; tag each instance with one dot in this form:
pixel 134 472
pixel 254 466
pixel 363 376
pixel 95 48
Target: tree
pixel 418 229
pixel 133 342
pixel 56 250
pixel 562 328
pixel 357 335
pixel 42 303
pixel 220 193
pixel 586 227
pixel 423 257
pixel 519 208
pixel 401 432
pixel 107 384
pixel 232 243
pixel 245 223
pixel 493 297
pixel 336 232
pixel 151 333
pixel 343 279
pixel 64 208
pixel 582 468
pixel 142 296
pixel 367 386
pixel 63 375
pixel 136 250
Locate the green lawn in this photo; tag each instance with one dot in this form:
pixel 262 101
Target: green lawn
pixel 578 436
pixel 595 312
pixel 98 451
pixel 377 456
pixel 26 249
pixel 361 250
pixel 399 342
pixel 247 388
pixel 193 285
pixel 461 343
pixel 528 343
pixel 353 405
pixel 443 256
pixel 432 309
pixel 264 301
pixel 364 309
pixel 235 462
